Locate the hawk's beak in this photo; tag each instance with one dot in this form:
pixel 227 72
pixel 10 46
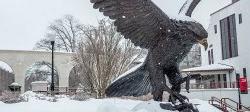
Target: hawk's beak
pixel 204 43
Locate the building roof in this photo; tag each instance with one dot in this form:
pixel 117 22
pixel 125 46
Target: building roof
pixel 224 7
pixel 15 84
pixel 40 82
pixel 207 68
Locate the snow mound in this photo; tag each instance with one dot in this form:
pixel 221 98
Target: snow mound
pixel 111 108
pixel 141 107
pixel 62 103
pixel 150 106
pixel 31 96
pixel 153 106
pixel 204 106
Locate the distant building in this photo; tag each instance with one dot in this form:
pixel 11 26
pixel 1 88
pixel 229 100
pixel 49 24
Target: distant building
pixel 39 86
pixel 228 53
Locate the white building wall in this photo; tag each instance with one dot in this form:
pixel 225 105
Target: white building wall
pixel 243 36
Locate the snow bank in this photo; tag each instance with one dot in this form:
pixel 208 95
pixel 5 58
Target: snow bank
pixel 30 96
pixel 64 104
pixel 150 106
pixel 204 106
pixel 111 108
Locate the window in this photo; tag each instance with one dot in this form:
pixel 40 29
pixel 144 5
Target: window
pixel 210 56
pixel 219 81
pixel 215 29
pixel 225 80
pixel 209 59
pixel 229 37
pixel 240 18
pixel 245 72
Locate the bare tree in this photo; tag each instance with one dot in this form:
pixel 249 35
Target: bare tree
pixel 65 32
pixel 40 71
pixel 103 55
pixel 193 58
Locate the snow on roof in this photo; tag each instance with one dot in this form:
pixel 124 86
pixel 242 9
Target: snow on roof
pixel 15 84
pixel 40 82
pixel 213 67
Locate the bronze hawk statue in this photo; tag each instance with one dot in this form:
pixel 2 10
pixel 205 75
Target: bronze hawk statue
pixel 167 39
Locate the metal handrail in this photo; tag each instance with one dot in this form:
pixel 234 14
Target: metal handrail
pixel 213 85
pixel 218 101
pixel 238 105
pixel 224 105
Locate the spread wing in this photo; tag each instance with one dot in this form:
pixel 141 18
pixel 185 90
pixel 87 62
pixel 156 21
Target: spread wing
pixel 141 21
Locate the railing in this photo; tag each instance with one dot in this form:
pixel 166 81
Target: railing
pixel 238 106
pixel 227 103
pixel 214 99
pixel 61 90
pixel 213 85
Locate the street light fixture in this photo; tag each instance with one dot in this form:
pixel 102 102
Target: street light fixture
pixel 52 41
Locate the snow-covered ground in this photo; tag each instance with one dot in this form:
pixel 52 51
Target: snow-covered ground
pixel 41 103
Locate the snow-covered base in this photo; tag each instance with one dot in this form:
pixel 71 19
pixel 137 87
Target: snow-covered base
pixel 41 103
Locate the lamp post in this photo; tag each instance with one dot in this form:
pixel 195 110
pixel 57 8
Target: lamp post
pixel 52 41
pixel 238 84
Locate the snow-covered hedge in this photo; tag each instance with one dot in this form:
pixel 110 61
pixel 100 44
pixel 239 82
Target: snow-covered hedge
pixel 11 97
pixel 29 95
pixel 81 96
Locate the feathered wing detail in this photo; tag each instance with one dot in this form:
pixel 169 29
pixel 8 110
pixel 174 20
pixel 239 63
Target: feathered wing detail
pixel 136 83
pixel 141 21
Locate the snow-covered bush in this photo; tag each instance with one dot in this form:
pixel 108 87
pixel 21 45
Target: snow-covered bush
pixel 11 97
pixel 29 95
pixel 82 93
pixel 81 96
pixel 142 98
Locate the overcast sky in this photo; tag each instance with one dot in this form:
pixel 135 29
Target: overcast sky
pixel 24 22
